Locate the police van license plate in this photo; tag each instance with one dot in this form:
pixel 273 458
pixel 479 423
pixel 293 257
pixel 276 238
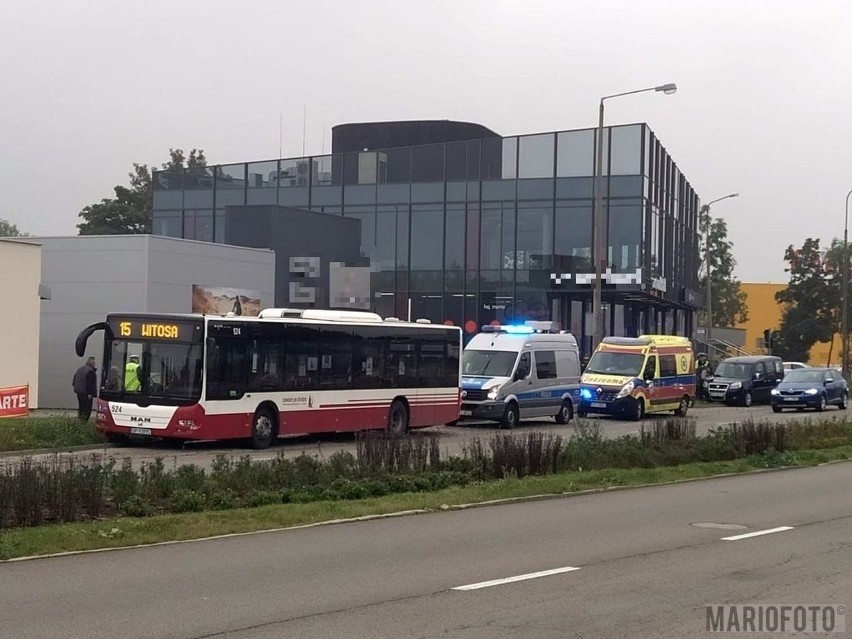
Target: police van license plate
pixel 140 431
pixel 598 405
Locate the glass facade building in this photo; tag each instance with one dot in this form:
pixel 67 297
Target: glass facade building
pixel 488 229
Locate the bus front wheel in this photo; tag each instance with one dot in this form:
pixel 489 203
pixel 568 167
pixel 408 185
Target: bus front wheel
pixel 263 428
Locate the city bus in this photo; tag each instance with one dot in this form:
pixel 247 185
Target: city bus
pixel 285 372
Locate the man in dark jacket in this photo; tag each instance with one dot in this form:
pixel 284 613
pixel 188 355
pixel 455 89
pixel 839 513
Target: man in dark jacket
pixel 85 386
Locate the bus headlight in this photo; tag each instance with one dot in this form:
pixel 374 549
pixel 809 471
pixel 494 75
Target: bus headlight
pixel 493 393
pixel 625 390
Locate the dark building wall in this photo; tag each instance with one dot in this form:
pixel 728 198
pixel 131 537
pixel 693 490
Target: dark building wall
pixel 317 238
pixel 387 135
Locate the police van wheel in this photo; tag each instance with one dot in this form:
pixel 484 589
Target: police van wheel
pixel 565 412
pixel 263 429
pixel 510 417
pixel 681 410
pixel 638 409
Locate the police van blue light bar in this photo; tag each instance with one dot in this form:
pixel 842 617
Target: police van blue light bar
pixel 517 330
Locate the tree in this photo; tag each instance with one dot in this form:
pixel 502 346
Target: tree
pixel 129 212
pixel 812 300
pixel 7 229
pixel 728 298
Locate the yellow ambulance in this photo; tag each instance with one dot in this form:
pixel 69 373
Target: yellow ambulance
pixel 632 376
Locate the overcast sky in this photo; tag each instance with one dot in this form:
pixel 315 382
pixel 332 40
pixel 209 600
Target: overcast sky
pixel 764 105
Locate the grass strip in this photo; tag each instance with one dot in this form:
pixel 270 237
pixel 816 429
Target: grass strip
pixel 29 433
pixel 128 531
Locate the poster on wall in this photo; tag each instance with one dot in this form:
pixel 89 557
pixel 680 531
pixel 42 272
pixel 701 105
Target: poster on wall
pixel 15 401
pixel 217 300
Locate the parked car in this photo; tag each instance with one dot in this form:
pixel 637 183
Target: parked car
pixel 744 380
pixel 811 388
pixel 791 366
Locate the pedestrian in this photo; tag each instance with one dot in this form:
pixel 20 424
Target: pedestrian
pixel 85 385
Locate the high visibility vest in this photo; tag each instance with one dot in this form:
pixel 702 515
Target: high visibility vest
pixel 131 377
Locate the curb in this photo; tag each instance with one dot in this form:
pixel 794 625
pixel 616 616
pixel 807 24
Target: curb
pixel 423 511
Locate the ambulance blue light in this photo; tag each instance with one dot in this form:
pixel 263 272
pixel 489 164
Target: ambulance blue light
pixel 585 393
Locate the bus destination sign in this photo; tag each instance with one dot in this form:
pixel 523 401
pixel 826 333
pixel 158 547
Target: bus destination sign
pixel 153 329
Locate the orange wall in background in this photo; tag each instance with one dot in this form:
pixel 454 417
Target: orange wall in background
pixel 764 312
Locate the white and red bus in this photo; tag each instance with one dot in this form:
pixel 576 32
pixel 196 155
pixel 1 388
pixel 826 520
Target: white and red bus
pixel 286 372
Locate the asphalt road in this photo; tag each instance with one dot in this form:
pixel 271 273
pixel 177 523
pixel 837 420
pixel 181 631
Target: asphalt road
pixel 452 439
pixel 644 568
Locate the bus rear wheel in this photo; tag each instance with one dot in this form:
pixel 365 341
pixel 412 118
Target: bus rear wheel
pixel 263 429
pixel 398 418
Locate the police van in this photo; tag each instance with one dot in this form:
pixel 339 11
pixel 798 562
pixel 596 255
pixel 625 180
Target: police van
pixel 511 373
pixel 633 376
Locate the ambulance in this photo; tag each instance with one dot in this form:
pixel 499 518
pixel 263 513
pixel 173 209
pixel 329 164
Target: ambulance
pixel 632 376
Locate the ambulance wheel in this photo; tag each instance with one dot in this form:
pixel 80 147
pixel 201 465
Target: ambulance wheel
pixel 510 417
pixel 681 410
pixel 638 410
pixel 581 413
pixel 566 412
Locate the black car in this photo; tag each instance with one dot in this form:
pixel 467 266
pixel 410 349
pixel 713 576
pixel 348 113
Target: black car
pixel 744 380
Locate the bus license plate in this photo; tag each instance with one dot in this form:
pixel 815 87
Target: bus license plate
pixel 598 405
pixel 140 431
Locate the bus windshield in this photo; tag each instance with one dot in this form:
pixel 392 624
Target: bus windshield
pixel 159 372
pixel 613 363
pixel 488 363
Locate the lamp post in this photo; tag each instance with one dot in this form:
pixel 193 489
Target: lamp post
pixel 844 329
pixel 708 303
pixel 599 250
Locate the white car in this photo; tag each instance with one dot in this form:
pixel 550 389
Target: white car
pixel 791 366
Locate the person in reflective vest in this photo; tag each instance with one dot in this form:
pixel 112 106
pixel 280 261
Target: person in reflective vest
pixel 131 375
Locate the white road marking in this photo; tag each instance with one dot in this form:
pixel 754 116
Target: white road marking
pixel 757 533
pixel 509 580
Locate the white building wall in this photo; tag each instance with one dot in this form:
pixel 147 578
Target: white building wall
pixel 175 265
pixel 20 276
pixel 91 276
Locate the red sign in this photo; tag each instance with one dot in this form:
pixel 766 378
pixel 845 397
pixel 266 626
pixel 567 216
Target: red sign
pixel 14 401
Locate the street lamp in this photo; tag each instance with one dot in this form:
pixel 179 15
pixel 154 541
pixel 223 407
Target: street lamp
pixel 708 329
pixel 844 329
pixel 599 250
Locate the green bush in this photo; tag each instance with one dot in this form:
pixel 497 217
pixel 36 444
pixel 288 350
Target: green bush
pixel 135 506
pixel 187 501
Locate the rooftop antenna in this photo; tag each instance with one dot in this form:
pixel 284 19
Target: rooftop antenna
pixel 304 121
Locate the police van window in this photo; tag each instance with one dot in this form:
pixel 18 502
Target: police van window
pixel 523 366
pixel 545 364
pixel 567 364
pixel 668 366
